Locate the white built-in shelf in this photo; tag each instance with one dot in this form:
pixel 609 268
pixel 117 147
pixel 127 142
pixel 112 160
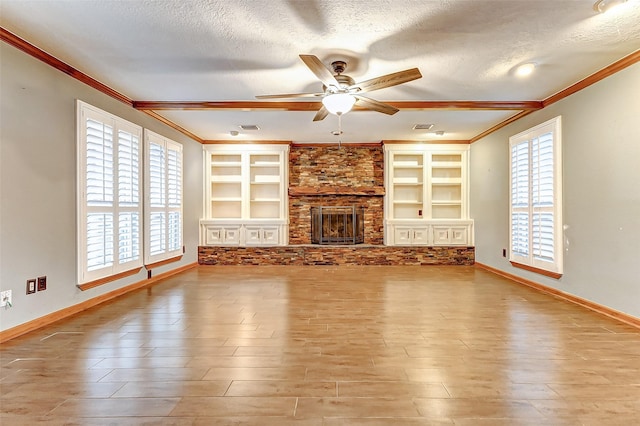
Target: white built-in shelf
pixel 426 200
pixel 407 202
pixel 247 197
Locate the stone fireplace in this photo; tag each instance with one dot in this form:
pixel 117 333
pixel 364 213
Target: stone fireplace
pixel 332 176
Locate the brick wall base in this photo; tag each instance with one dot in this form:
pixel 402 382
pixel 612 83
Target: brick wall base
pixel 336 255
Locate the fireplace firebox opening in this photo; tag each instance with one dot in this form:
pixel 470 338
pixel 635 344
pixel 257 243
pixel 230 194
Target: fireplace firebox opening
pixel 337 225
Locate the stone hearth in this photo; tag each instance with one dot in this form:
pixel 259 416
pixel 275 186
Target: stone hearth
pixel 360 254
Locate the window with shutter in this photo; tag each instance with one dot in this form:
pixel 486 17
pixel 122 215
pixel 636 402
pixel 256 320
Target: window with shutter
pixel 109 206
pixel 163 201
pixel 536 198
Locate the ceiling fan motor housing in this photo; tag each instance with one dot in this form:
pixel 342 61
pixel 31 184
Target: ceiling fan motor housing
pixel 339 66
pixel 344 80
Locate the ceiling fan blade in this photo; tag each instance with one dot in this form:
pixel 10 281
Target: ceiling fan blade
pixel 321 114
pixel 324 74
pixel 290 95
pixel 374 105
pixel 388 80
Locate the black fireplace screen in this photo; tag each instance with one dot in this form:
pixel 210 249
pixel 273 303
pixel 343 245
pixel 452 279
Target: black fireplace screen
pixel 337 225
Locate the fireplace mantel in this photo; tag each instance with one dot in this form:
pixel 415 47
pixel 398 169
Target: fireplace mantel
pixel 305 191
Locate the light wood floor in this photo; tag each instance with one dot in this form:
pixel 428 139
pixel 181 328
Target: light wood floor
pixel 327 346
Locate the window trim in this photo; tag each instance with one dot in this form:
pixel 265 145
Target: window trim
pixel 552 268
pixel 103 274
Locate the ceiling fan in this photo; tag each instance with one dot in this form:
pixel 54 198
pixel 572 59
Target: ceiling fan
pixel 341 92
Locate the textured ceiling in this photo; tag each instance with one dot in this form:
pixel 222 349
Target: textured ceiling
pixel 233 50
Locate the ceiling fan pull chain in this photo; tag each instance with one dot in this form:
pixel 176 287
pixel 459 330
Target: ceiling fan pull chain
pixel 339 131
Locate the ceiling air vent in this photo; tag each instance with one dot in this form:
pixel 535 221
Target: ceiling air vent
pixel 249 127
pixel 422 126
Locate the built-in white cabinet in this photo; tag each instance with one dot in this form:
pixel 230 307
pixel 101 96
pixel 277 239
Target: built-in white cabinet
pixel 245 195
pixel 261 235
pixel 451 235
pixel 406 235
pixel 221 235
pixel 426 201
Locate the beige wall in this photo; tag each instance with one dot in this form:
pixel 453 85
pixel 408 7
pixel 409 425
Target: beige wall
pixel 38 185
pixel 601 162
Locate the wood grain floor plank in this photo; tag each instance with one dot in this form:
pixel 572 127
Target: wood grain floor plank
pixel 326 346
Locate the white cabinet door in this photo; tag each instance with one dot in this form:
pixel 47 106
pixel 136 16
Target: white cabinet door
pixel 270 235
pixel 232 235
pixel 450 235
pixel 218 235
pixel 411 235
pixel 214 235
pixel 261 235
pixel 420 236
pixel 402 236
pixel 441 235
pixel 253 236
pixel 458 235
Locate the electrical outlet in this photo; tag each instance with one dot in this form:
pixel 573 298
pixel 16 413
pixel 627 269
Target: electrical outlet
pixel 5 299
pixel 31 286
pixel 42 283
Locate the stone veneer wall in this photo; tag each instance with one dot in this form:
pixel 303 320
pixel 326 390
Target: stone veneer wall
pixel 345 166
pixel 329 175
pixel 360 254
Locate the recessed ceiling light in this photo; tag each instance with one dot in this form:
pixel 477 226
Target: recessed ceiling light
pixel 602 6
pixel 422 126
pixel 234 133
pixel 440 133
pixel 525 69
pixel 249 127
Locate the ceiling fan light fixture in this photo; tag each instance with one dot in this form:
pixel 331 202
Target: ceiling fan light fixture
pixel 338 103
pixel 601 6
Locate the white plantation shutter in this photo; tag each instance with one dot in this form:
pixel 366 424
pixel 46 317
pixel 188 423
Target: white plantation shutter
pixel 156 171
pixel 98 153
pixel 163 203
pixel 99 241
pixel 174 195
pixel 109 207
pixel 157 234
pixel 542 197
pixel 520 198
pixel 535 197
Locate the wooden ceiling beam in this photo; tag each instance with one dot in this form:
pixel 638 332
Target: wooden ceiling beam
pixel 315 105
